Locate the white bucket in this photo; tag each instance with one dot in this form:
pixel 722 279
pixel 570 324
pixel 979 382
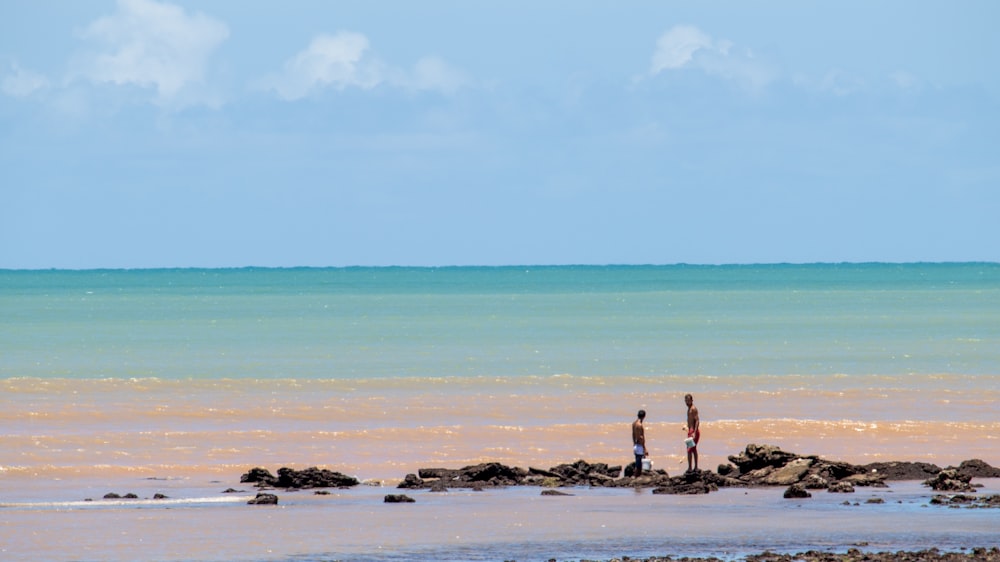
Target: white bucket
pixel 647 463
pixel 689 442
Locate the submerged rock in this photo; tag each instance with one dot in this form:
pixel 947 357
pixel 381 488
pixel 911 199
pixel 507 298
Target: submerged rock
pixel 264 499
pixel 797 491
pixel 398 498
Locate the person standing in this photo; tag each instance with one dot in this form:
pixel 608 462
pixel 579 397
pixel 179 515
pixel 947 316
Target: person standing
pixel 693 431
pixel 639 442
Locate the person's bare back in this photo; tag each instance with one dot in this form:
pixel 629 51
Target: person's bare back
pixel 639 442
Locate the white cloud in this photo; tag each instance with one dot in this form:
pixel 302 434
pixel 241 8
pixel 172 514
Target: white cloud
pixel 686 46
pixel 344 60
pixel 21 83
pixel 905 80
pixel 675 48
pixel 841 83
pixel 153 45
pixel 336 61
pixel 432 73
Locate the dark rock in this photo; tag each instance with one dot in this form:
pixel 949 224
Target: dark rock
pixel 840 488
pixel 232 491
pixel 582 473
pixel 837 470
pixel 797 491
pixel 757 465
pixel 439 487
pixel 875 500
pixel 112 496
pixel 313 477
pixel 411 481
pixel 903 470
pixel 972 501
pixel 299 479
pixel 131 496
pixel 264 499
pixel 259 476
pixel 321 493
pixel 790 473
pixel 554 493
pixel 756 457
pixel 160 497
pixel 950 480
pixel 398 498
pixel 695 482
pixel 486 474
pixel 543 473
pixel 976 468
pixel 814 482
pixel 867 479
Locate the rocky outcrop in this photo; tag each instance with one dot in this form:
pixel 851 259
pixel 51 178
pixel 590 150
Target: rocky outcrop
pixel 903 470
pixel 767 465
pixel 491 475
pixel 757 465
pixel 299 479
pixel 950 480
pixel 976 468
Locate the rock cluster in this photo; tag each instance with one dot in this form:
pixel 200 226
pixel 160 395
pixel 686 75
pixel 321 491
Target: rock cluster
pixel 757 465
pixel 299 479
pixel 950 480
pixel 492 475
pixel 962 500
pixel 767 465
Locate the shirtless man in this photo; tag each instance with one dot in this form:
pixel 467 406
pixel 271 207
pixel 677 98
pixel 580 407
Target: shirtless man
pixel 693 430
pixel 639 443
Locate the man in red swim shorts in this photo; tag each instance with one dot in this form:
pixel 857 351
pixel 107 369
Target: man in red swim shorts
pixel 693 431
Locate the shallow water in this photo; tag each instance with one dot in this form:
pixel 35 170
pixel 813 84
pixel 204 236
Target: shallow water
pixel 199 523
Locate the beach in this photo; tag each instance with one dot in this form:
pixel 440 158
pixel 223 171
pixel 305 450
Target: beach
pixel 177 382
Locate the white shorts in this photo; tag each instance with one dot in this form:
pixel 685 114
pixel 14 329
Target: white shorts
pixel 638 449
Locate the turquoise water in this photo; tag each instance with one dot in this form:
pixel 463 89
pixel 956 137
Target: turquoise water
pixel 501 321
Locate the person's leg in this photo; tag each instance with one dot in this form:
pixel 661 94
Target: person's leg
pixel 638 466
pixel 697 438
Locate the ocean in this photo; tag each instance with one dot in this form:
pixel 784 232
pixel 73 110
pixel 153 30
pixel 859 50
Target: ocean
pixel 177 381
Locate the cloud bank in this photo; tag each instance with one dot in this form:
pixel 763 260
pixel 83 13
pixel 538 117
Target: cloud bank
pixel 20 83
pixel 344 60
pixel 153 45
pixel 686 46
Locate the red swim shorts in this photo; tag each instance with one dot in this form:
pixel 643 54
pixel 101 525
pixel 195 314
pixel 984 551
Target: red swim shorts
pixel 697 437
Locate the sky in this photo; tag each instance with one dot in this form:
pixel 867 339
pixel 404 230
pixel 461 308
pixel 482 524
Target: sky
pixel 227 133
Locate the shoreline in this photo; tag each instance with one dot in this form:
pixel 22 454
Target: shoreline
pixel 977 554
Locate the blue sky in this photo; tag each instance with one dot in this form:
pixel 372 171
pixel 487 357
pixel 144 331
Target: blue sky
pixel 221 133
